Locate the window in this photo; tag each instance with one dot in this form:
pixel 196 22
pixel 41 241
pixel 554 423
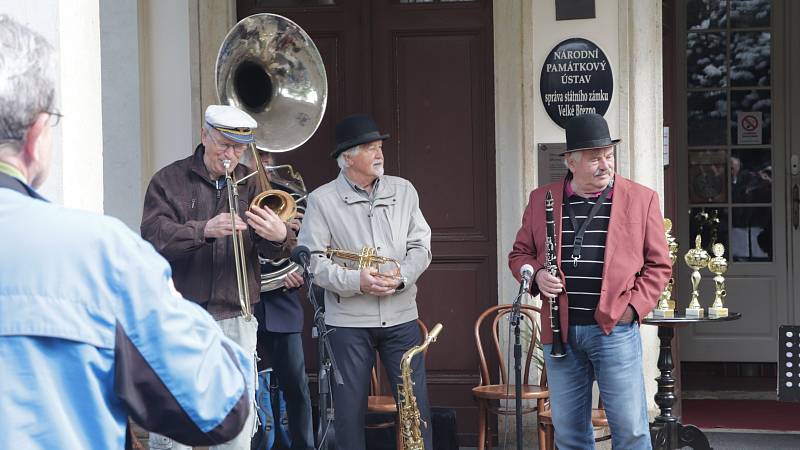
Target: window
pixel 729 134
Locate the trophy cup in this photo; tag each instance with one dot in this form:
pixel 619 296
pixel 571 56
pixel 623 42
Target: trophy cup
pixel 696 259
pixel 718 265
pixel 666 306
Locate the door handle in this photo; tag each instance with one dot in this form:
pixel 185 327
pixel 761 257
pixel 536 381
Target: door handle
pixel 795 206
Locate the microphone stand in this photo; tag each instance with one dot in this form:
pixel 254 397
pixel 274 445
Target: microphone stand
pixel 327 364
pixel 516 317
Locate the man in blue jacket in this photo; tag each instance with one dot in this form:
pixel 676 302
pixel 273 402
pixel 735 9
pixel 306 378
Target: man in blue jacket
pixel 92 329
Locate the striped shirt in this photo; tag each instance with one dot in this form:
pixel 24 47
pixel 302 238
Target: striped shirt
pixel 584 279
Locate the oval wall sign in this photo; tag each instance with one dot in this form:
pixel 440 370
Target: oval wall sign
pixel 576 79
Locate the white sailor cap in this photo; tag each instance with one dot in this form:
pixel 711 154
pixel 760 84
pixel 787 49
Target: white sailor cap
pixel 232 122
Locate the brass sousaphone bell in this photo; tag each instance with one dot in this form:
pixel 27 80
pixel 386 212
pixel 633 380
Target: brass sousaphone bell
pixel 270 68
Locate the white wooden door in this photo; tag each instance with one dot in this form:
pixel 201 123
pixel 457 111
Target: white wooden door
pixel 736 143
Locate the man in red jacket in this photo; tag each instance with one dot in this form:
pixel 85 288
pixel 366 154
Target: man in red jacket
pixel 613 262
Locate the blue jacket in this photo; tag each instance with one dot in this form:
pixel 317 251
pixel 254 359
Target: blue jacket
pixel 92 331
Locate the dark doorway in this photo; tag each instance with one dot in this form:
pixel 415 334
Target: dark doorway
pixel 424 69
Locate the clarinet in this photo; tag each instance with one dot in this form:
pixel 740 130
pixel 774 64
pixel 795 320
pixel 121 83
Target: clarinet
pixel 557 351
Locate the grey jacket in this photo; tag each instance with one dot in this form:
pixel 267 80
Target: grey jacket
pixel 339 217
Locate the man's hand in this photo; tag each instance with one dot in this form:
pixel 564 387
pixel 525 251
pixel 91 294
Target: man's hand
pixel 295 223
pixel 220 225
pixel 548 284
pixel 293 280
pixel 376 285
pixel 266 224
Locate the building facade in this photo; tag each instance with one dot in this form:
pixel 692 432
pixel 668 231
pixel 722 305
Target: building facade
pixel 457 85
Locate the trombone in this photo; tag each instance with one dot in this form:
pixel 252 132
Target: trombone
pixel 238 243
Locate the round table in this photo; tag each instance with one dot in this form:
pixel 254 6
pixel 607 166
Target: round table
pixel 666 431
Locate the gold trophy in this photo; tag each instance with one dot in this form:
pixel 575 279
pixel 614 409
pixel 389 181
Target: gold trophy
pixel 696 259
pixel 718 265
pixel 666 306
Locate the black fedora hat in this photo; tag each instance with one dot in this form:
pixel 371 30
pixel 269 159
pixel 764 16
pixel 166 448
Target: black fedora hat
pixel 356 130
pixel 587 131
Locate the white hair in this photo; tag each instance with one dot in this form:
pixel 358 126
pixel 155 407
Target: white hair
pixel 575 156
pixel 349 152
pixel 27 80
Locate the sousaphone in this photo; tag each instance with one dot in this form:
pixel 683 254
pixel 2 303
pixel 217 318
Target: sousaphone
pixel 268 67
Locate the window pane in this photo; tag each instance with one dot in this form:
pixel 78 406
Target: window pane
pixel 707 176
pixel 751 237
pixel 711 224
pixel 751 176
pixel 750 13
pixel 751 101
pixel 704 14
pixel 705 60
pixel 751 58
pixel 707 115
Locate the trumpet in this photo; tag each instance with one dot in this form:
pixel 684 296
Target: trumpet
pixel 367 258
pixel 238 243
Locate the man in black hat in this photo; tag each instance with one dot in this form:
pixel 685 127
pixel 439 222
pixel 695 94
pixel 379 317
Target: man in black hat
pixel 613 263
pixel 363 207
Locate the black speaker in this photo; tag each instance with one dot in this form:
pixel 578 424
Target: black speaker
pixel 443 421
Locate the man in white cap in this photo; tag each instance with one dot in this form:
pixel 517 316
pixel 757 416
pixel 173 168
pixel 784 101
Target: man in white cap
pixel 186 219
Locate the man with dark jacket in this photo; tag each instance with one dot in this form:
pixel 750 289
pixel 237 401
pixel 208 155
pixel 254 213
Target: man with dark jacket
pixel 186 219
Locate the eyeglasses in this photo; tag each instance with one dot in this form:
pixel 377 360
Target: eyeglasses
pixel 238 148
pixel 54 117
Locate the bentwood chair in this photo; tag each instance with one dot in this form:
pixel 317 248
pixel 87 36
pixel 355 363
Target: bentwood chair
pixel 379 402
pixel 490 395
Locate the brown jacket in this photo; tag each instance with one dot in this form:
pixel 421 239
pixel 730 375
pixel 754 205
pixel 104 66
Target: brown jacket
pixel 637 265
pixel 179 201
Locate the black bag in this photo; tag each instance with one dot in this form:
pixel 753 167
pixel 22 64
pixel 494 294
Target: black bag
pixel 443 421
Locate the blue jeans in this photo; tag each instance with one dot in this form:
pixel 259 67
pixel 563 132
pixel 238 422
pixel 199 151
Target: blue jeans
pixel 615 361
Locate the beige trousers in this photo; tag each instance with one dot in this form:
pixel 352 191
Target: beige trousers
pixel 243 332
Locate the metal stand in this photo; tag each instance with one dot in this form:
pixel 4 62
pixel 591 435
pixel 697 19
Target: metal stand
pixel 327 364
pixel 666 431
pixel 515 319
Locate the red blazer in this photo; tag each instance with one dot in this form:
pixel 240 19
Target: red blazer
pixel 637 264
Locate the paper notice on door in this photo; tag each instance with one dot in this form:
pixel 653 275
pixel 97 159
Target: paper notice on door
pixel 750 126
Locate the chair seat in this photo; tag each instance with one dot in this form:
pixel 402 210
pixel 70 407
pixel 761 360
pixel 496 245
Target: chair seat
pixel 507 391
pixel 598 417
pixel 381 403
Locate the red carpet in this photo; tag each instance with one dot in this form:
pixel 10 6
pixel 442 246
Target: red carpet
pixel 742 414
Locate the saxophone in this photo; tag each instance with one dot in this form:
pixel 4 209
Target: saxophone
pixel 407 409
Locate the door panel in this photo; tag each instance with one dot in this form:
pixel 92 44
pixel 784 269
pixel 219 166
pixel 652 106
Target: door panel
pixel 425 72
pixel 432 84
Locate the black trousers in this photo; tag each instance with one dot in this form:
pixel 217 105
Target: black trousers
pixel 354 350
pixel 286 357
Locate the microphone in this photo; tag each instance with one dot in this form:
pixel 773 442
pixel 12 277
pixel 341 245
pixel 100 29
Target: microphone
pixel 527 273
pixel 301 256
